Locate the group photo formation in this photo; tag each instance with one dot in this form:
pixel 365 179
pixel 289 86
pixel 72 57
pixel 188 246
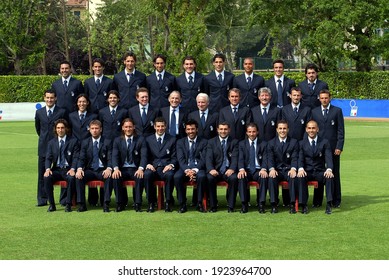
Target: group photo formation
pixel 140 142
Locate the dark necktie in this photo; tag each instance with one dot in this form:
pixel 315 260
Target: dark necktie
pixel 113 113
pixel 295 111
pixel 264 114
pixel 280 102
pixel 130 75
pixel 252 158
pixel 192 154
pixel 82 117
pixel 249 82
pixel 173 128
pixel 98 83
pixel 144 116
pixel 311 87
pixel 313 146
pixel 50 114
pixel 160 79
pixel 282 146
pixel 220 79
pixel 325 113
pixel 160 142
pixel 235 112
pixel 95 160
pixel 190 81
pixel 202 120
pixel 65 85
pixel 62 154
pixel 223 168
pixel 129 153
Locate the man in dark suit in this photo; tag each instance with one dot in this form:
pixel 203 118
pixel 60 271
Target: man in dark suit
pixel 266 115
pixel 280 85
pixel 249 83
pixel 221 165
pixel 128 81
pixel 236 115
pixel 67 88
pixel 61 163
pixel 296 114
pixel 207 121
pixel 331 127
pixel 174 115
pixel 112 116
pixel 94 164
pixel 282 165
pixel 44 126
pixel 189 84
pixel 314 163
pixel 129 160
pixel 98 86
pixel 311 87
pixel 218 83
pixel 161 148
pixel 191 151
pixel 160 83
pixel 252 166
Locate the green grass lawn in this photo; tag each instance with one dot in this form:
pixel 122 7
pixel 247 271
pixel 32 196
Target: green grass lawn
pixel 359 230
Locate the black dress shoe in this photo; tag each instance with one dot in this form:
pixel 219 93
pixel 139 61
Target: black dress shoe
pixel 336 205
pixel 167 207
pixel 213 210
pixel 138 207
pixel 274 210
pixel 200 208
pixel 41 204
pixel 230 210
pixel 261 209
pixel 244 208
pixel 106 208
pixel 316 205
pixel 183 209
pixel 68 208
pixel 82 208
pixel 151 208
pixel 292 209
pixel 304 210
pixel 52 208
pixel 119 208
pixel 328 210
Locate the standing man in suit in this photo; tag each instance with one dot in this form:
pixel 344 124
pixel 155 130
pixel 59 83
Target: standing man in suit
pixel 189 84
pixel 79 120
pixel 129 160
pixel 67 88
pixel 160 83
pixel 312 86
pixel 61 163
pixel 175 115
pixel 98 86
pixel 331 127
pixel 221 165
pixel 236 115
pixel 162 160
pixel 218 83
pixel 252 166
pixel 266 115
pixel 112 116
pixel 280 85
pixel 282 165
pixel 207 120
pixel 94 164
pixel 191 152
pixel 249 83
pixel 128 81
pixel 44 126
pixel 314 163
pixel 296 114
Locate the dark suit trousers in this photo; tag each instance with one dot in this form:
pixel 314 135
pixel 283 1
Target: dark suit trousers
pixel 168 178
pixel 41 191
pixel 231 191
pixel 179 182
pixel 90 175
pixel 121 192
pixel 288 196
pixel 317 198
pixel 243 186
pixel 337 194
pixel 59 175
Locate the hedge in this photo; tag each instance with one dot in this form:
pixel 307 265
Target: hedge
pixel 355 85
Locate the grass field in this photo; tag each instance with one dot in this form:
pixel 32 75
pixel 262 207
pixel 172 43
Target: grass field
pixel 359 230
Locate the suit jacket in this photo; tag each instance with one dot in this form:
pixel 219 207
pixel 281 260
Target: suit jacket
pixel 244 154
pixel 148 128
pixel 112 127
pixel 72 150
pixel 80 129
pixel 211 123
pixel 296 123
pixel 249 94
pixel 318 161
pixel 287 85
pixel 331 128
pixel 67 99
pixel 238 125
pixel 160 157
pixel 138 150
pixel 127 90
pixel 282 158
pixel 182 117
pixel 183 153
pixel 86 153
pixel 159 93
pixel 267 130
pixel 44 127
pixel 189 93
pixel 214 156
pixel 98 96
pixel 218 94
pixel 311 98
